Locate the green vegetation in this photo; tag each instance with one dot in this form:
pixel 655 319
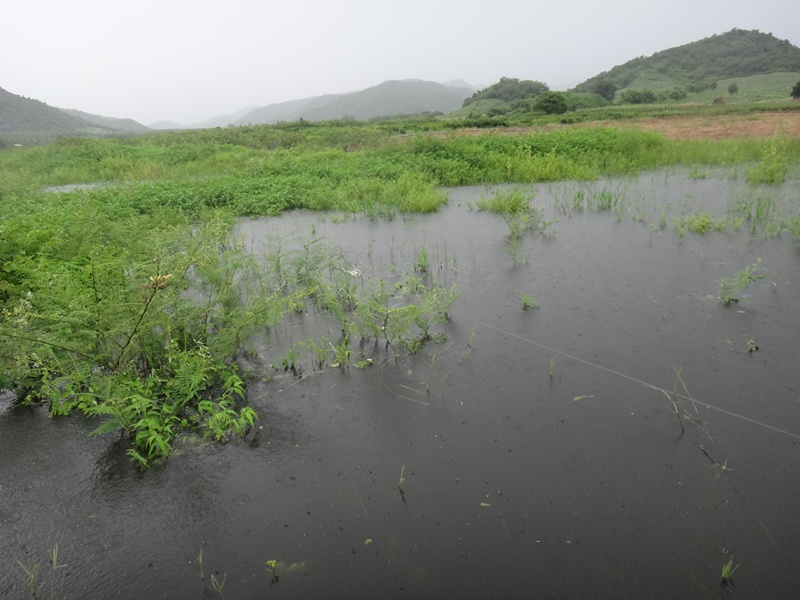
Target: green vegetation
pixel 508 90
pixel 729 288
pixel 31 573
pixel 528 300
pixel 551 103
pixel 21 114
pixel 728 569
pixel 133 302
pixel 700 65
pixel 520 216
pixel 755 88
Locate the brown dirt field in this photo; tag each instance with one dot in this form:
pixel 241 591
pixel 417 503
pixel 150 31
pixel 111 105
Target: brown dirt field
pixel 749 125
pixel 758 125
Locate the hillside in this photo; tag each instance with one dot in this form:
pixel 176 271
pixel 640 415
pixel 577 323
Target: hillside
pixel 700 65
pixel 111 123
pixel 26 115
pixel 389 98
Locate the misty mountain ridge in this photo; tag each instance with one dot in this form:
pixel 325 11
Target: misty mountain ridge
pixel 393 97
pixel 690 68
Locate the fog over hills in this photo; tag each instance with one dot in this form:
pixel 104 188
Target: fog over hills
pixel 689 68
pixel 386 99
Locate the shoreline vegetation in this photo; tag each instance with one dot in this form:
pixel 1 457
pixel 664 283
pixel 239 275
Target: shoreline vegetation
pixel 131 302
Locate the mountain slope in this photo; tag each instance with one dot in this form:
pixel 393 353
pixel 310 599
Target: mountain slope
pixel 699 65
pixel 108 122
pixel 389 98
pixel 26 115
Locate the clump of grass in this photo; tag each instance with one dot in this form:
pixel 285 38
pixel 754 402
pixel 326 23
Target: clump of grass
pixel 32 572
pixel 516 209
pixel 728 569
pixel 520 217
pixel 704 221
pixel 729 288
pixel 528 300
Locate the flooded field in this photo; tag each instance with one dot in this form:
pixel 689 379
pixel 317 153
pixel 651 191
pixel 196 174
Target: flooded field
pixel 591 421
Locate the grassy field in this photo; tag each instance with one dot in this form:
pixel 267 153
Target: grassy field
pixel 130 301
pixel 757 88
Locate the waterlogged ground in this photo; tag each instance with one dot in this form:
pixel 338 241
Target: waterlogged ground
pixel 535 453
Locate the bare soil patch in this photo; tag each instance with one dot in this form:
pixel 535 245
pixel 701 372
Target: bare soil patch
pixel 683 127
pixel 758 125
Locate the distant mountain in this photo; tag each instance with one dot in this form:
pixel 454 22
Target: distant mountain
pixel 223 120
pixel 460 83
pixel 111 123
pixel 699 65
pixel 26 115
pixel 409 96
pixel 167 125
pixel 215 121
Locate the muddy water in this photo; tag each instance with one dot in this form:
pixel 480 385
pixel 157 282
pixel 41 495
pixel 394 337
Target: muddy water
pixel 535 460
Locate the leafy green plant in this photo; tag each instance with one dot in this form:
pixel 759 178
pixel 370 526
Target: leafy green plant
pixel 276 567
pixel 729 288
pixel 773 166
pixel 94 332
pixel 421 264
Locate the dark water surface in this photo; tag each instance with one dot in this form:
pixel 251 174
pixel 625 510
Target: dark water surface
pixel 517 484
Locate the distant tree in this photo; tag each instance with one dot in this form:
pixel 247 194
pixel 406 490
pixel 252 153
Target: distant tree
pixel 606 88
pixel 796 91
pixel 493 112
pixel 508 89
pixel 677 94
pixel 638 96
pixel 733 88
pixel 579 100
pixel 551 103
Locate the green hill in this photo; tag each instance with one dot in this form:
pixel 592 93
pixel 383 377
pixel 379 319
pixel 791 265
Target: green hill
pixel 26 115
pixel 701 65
pixel 508 89
pixel 111 123
pixel 410 96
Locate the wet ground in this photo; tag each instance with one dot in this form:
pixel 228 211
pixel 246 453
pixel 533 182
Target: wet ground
pixel 624 439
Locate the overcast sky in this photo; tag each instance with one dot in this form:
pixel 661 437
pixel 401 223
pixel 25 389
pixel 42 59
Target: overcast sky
pixel 188 60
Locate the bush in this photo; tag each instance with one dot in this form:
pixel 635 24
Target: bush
pixel 638 97
pixel 796 91
pixel 551 103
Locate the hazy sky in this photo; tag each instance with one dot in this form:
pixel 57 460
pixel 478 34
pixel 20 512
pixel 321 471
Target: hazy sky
pixel 188 60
